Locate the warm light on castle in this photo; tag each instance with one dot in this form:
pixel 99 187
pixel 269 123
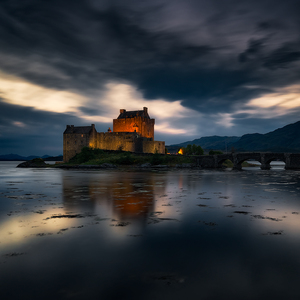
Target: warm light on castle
pixel 132 131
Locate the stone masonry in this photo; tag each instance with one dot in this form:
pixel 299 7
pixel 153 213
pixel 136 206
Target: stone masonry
pixel 132 131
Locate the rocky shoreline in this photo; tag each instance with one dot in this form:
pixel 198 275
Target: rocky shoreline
pixel 112 166
pixel 39 163
pixel 34 163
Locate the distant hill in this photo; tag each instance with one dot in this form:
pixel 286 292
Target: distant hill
pixel 215 142
pixel 16 157
pixel 285 139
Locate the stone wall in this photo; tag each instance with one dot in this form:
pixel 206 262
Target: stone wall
pixel 75 138
pixel 73 143
pixel 153 147
pixel 126 141
pixel 116 141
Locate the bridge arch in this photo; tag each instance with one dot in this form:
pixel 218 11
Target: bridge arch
pixel 239 166
pixel 221 158
pixel 222 161
pixel 267 158
pixel 291 160
pixel 239 158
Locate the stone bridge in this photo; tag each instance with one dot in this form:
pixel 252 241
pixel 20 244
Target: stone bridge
pixel 292 160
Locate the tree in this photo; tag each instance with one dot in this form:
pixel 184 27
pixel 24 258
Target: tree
pixel 189 150
pixel 214 152
pixel 192 150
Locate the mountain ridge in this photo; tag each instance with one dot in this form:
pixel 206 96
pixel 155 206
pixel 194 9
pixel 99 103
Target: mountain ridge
pixel 16 157
pixel 284 139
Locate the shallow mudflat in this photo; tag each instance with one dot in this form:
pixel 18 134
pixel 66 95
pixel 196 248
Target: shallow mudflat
pixel 170 234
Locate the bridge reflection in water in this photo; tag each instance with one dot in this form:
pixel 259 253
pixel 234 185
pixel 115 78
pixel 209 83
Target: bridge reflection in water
pixel 291 160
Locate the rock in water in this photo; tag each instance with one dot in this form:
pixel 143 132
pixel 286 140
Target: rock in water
pixel 34 163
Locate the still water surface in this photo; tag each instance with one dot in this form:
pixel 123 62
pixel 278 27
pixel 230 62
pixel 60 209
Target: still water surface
pixel 109 234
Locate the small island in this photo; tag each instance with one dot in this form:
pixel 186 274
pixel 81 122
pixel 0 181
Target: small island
pixel 90 158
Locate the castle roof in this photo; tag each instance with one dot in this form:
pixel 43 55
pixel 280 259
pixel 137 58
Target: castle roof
pixel 78 129
pixel 132 114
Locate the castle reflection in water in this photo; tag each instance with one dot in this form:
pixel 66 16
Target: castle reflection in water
pixel 125 196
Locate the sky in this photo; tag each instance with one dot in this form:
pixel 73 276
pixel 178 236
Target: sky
pixel 202 67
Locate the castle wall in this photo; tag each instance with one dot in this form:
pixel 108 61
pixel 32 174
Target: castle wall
pixel 93 136
pixel 128 142
pixel 75 140
pixel 143 126
pixel 73 143
pixel 153 147
pixel 116 141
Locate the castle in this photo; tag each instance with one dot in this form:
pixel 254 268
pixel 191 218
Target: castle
pixel 132 131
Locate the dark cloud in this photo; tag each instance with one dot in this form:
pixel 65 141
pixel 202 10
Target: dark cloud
pixel 88 47
pixel 85 47
pixel 270 25
pixel 283 57
pixel 21 128
pixel 254 49
pixel 93 111
pixel 202 90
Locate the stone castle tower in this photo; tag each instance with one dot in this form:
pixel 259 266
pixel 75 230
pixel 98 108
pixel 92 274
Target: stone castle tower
pixel 135 121
pixel 132 131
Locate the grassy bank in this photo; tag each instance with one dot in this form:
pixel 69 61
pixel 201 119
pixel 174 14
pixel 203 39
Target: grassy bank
pixel 90 156
pixel 94 157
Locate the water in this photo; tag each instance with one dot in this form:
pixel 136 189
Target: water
pixel 199 234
